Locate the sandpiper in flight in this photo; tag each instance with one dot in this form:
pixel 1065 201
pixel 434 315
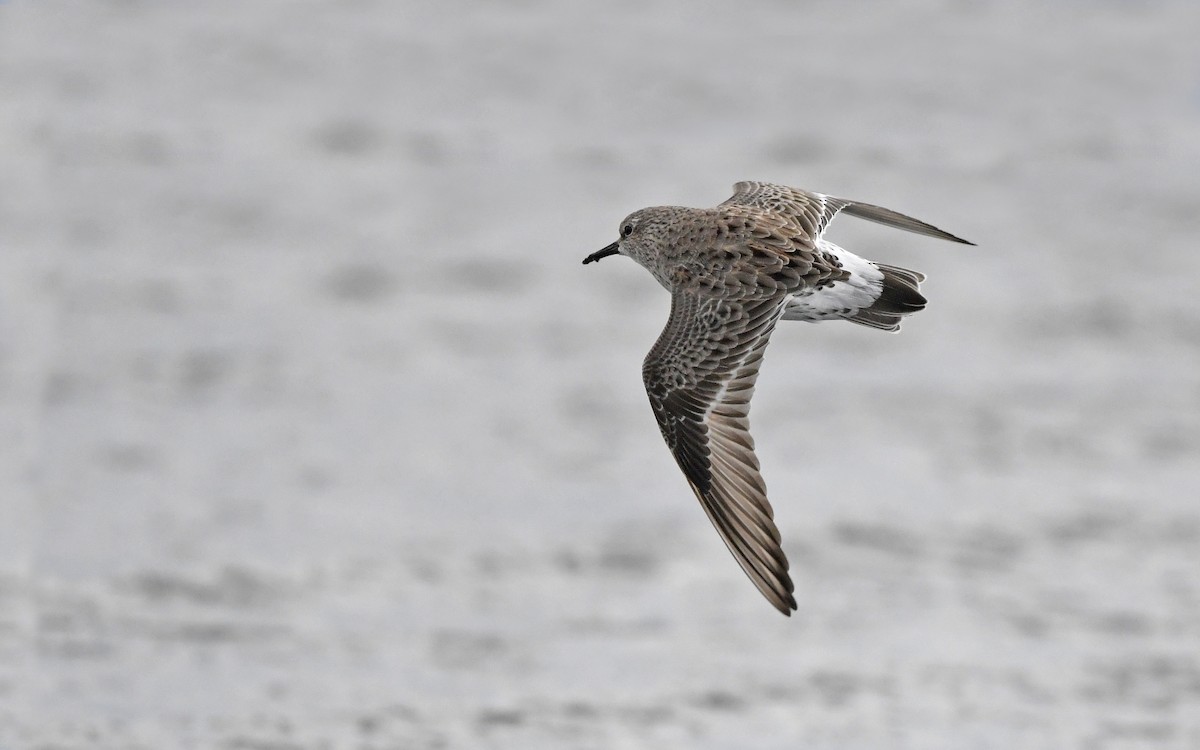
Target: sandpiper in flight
pixel 733 272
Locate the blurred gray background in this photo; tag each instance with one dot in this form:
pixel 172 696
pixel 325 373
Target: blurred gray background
pixel 320 436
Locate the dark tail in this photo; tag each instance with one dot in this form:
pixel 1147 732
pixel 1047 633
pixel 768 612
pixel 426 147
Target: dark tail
pixel 901 296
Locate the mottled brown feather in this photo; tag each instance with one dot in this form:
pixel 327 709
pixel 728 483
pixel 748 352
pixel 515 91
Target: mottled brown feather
pixel 813 211
pixel 700 376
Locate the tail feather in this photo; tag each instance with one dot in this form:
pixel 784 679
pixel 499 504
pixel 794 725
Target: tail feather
pixel 900 296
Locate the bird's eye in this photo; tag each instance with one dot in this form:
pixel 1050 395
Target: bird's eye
pixel 626 230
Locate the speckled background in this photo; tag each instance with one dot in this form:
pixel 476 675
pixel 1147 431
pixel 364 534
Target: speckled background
pixel 320 436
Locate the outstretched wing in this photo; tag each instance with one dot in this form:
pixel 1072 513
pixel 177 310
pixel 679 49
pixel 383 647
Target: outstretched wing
pixel 814 211
pixel 700 376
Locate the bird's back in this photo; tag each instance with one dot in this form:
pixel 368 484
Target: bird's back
pixel 741 252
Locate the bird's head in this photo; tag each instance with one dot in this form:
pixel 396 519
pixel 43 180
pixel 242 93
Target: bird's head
pixel 643 234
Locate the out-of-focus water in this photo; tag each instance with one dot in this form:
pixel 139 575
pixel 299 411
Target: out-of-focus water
pixel 321 436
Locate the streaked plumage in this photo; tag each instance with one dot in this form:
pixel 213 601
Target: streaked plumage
pixel 734 271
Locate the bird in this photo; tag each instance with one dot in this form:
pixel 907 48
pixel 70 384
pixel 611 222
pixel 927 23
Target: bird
pixel 733 272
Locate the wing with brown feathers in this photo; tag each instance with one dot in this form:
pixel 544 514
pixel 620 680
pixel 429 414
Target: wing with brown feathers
pixel 814 211
pixel 700 376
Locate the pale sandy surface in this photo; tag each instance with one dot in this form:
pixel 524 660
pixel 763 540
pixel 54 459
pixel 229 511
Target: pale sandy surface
pixel 319 436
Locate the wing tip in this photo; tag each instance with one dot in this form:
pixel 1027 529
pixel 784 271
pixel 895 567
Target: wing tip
pixel 897 220
pixel 786 607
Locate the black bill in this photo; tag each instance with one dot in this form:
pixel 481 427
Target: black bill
pixel 610 250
